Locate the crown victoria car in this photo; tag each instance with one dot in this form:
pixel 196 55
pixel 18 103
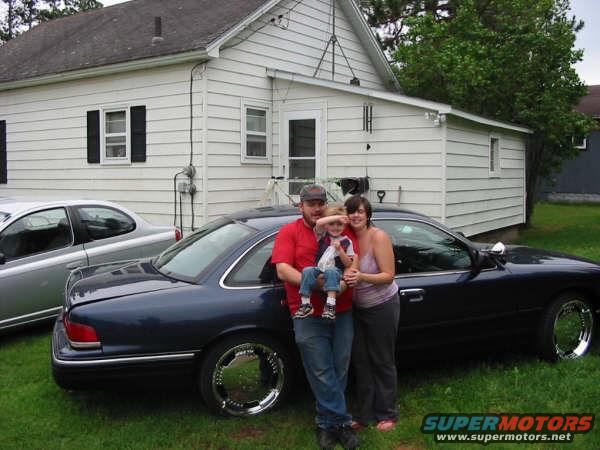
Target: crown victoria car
pixel 41 241
pixel 212 307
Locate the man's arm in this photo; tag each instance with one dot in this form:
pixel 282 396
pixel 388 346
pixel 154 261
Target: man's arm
pixel 287 273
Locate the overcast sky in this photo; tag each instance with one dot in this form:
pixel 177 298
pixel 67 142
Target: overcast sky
pixel 588 38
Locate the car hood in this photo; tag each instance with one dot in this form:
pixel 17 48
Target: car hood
pixel 133 278
pixel 518 254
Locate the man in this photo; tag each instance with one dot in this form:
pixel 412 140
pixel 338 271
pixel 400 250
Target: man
pixel 325 345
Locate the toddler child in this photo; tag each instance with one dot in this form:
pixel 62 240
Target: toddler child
pixel 335 254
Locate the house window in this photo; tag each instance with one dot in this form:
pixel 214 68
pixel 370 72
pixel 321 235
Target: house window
pixel 115 136
pixel 494 156
pixel 256 132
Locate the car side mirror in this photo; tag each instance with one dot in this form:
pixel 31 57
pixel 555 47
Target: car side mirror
pixel 2 259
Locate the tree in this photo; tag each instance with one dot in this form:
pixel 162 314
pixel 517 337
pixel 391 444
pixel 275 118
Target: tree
pixel 10 22
pixel 511 60
pixel 18 16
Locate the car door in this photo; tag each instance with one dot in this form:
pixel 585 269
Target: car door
pixel 39 254
pixel 109 234
pixel 442 300
pixel 253 278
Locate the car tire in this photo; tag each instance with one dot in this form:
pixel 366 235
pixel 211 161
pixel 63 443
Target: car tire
pixel 245 375
pixel 566 328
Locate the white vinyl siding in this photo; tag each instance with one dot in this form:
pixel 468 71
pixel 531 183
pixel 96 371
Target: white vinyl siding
pixel 405 154
pixel 47 140
pixel 475 201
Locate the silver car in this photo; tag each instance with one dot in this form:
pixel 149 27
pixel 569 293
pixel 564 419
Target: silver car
pixel 42 241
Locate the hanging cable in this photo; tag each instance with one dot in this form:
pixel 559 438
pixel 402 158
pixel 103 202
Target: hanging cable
pixel 175 199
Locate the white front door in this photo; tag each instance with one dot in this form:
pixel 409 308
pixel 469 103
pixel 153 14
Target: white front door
pixel 301 144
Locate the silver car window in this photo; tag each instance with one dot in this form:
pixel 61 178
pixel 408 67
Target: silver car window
pixel 38 232
pixel 102 223
pixel 188 258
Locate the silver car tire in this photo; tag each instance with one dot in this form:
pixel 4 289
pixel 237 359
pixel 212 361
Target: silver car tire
pixel 566 328
pixel 245 375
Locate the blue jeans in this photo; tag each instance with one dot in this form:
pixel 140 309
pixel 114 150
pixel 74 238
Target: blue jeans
pixel 325 346
pixel 332 276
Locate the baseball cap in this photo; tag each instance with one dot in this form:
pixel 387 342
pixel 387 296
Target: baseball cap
pixel 313 192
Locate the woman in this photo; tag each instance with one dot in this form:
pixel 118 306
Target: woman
pixel 376 313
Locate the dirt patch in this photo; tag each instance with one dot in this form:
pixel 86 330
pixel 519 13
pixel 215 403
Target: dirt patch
pixel 247 433
pixel 406 446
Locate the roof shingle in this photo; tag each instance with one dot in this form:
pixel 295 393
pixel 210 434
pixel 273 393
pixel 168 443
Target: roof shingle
pixel 120 33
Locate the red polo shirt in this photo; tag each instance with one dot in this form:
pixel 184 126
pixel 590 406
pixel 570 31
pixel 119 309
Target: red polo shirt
pixel 297 245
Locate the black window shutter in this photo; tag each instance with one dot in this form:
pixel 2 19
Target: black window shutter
pixel 138 133
pixel 93 137
pixel 3 161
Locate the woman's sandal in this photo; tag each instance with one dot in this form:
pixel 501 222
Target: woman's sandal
pixel 357 425
pixel 386 425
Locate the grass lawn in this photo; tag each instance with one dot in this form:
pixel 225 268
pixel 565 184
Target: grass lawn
pixel 36 414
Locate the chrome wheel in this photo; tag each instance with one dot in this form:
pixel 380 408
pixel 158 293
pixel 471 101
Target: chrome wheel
pixel 573 327
pixel 247 378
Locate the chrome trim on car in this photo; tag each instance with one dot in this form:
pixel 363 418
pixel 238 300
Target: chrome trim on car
pixel 51 311
pixel 84 345
pixel 125 360
pixel 235 263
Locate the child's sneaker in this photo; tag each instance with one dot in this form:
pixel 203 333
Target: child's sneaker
pixel 328 311
pixel 304 310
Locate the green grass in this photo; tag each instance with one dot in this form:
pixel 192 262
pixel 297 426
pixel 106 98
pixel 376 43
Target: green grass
pixel 36 414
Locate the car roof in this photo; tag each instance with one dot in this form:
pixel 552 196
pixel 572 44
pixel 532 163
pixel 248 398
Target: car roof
pixel 16 205
pixel 267 217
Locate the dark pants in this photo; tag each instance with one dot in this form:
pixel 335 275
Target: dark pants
pixel 374 361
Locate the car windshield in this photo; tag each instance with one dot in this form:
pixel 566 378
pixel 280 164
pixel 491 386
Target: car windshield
pixel 188 258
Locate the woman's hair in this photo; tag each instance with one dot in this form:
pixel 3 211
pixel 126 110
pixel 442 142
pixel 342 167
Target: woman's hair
pixel 335 210
pixel 355 202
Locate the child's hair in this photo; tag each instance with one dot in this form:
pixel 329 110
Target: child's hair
pixel 335 210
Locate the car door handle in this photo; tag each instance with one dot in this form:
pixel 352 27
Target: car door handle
pixel 413 295
pixel 75 264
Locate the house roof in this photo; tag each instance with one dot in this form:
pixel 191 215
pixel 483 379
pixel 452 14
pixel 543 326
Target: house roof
pixel 119 38
pixel 121 33
pixel 590 104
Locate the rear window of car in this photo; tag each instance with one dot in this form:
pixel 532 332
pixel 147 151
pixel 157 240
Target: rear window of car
pixel 188 258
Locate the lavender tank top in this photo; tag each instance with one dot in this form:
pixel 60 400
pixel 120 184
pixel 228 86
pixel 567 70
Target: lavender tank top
pixel 367 295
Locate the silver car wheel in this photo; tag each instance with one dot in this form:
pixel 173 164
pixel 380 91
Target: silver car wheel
pixel 248 379
pixel 573 328
pixel 245 374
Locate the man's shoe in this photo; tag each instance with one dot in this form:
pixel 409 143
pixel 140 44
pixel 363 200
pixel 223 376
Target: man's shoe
pixel 303 311
pixel 328 312
pixel 348 438
pixel 327 438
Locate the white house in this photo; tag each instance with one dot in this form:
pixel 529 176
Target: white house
pixel 114 103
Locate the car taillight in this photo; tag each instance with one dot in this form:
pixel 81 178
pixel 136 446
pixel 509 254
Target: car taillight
pixel 80 336
pixel 178 234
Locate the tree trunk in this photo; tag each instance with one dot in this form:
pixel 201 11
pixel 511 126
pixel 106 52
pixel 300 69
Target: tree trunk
pixel 534 157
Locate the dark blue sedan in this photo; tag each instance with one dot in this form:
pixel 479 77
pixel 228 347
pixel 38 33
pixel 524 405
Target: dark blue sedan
pixel 212 307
